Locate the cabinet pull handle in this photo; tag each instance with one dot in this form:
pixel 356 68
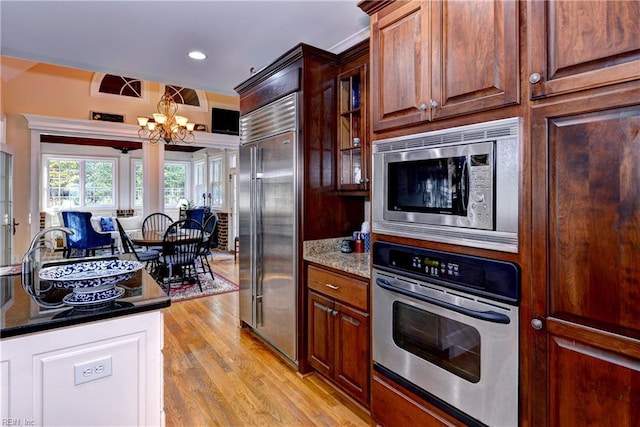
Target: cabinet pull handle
pixel 535 78
pixel 330 286
pixel 536 324
pixel 354 322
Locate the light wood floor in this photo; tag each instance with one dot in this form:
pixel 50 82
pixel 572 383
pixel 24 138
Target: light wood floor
pixel 218 374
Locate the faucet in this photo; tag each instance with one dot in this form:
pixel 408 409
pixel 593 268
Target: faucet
pixel 29 261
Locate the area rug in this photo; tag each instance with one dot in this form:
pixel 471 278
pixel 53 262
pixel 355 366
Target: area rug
pixel 210 287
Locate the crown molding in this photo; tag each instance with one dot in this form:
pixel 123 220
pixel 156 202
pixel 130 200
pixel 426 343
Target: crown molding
pixel 119 131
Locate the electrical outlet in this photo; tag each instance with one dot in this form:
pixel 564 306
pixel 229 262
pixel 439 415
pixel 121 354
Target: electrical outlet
pixel 93 370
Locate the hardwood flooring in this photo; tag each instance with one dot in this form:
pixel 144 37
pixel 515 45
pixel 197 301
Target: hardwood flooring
pixel 218 374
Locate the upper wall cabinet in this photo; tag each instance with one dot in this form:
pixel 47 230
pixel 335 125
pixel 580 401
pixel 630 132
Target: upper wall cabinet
pixel 439 59
pixel 353 131
pixel 577 45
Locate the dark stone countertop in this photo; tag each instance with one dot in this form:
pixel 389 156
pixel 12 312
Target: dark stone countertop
pixel 21 314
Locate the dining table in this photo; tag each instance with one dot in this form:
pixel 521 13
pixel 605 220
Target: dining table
pixel 151 238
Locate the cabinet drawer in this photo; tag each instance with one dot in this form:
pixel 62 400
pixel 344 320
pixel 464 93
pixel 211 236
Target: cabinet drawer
pixel 346 289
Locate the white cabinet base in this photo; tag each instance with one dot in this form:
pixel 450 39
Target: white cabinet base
pixel 100 373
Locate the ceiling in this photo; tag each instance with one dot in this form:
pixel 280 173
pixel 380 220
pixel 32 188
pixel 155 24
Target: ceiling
pixel 150 39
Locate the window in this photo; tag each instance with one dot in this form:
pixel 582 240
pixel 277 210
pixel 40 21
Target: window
pixel 120 85
pixel 77 182
pixel 137 183
pixel 176 183
pixel 199 185
pixel 184 95
pixel 216 175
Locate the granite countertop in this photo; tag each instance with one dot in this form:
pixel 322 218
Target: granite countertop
pixel 327 252
pixel 21 314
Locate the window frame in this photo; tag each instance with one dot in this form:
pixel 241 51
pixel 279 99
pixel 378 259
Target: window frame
pixel 222 182
pixel 45 188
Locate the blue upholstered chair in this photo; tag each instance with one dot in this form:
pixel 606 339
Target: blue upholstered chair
pixel 84 237
pixel 196 214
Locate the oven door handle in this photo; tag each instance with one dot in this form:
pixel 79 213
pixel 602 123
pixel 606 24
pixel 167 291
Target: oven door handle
pixel 489 316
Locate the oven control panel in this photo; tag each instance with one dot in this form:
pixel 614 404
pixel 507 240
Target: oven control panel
pixel 483 276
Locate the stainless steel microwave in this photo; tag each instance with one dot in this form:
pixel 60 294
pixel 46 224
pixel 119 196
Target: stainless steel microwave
pixel 458 185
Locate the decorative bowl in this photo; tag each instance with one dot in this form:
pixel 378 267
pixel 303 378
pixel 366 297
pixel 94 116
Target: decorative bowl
pixel 90 274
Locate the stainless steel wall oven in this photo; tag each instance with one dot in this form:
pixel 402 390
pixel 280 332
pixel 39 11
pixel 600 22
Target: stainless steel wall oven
pixel 446 327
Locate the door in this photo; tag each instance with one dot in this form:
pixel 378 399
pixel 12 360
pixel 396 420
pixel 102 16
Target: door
pixel 276 248
pixel 246 233
pixel 352 350
pixel 400 74
pixel 320 339
pixel 7 220
pixel 586 280
pixel 475 56
pixel 579 45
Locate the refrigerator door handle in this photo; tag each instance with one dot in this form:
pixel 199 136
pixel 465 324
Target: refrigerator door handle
pixel 259 313
pixel 252 239
pixel 258 224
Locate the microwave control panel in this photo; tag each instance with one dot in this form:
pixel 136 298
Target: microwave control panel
pixel 480 208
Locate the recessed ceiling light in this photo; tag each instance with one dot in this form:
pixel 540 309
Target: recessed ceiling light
pixel 197 55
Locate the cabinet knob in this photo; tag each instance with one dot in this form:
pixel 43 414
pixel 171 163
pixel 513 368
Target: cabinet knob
pixel 536 324
pixel 364 181
pixel 423 106
pixel 433 104
pixel 535 78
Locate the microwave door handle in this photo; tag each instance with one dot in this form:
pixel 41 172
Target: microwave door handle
pixel 489 316
pixel 465 187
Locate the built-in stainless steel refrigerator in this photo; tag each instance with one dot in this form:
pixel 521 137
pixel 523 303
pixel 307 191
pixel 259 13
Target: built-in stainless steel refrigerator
pixel 268 223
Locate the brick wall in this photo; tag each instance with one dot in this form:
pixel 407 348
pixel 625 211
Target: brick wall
pixel 223 230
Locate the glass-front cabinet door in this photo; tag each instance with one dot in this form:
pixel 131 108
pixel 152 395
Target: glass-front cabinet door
pixel 352 134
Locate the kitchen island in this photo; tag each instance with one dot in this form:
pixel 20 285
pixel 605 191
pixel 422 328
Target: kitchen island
pixel 71 366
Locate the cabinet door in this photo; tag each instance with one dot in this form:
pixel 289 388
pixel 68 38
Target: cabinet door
pixel 352 131
pixel 579 45
pixel 586 219
pixel 320 334
pixel 352 351
pixel 474 47
pixel 400 65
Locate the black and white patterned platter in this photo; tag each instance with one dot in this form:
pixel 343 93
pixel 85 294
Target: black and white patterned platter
pixel 91 298
pixel 101 273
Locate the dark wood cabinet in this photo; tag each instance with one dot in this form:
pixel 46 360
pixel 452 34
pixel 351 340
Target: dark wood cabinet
pixel 439 59
pixel 353 130
pixel 338 330
pixel 393 405
pixel 578 45
pixel 585 321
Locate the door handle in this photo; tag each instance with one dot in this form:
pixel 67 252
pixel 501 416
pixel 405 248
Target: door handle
pixel 15 224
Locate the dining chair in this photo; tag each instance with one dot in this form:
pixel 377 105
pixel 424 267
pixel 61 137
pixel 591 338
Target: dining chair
pixel 150 257
pixel 180 251
pixel 158 222
pixel 85 237
pixel 210 242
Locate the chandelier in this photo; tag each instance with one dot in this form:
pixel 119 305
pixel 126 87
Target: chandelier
pixel 166 125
